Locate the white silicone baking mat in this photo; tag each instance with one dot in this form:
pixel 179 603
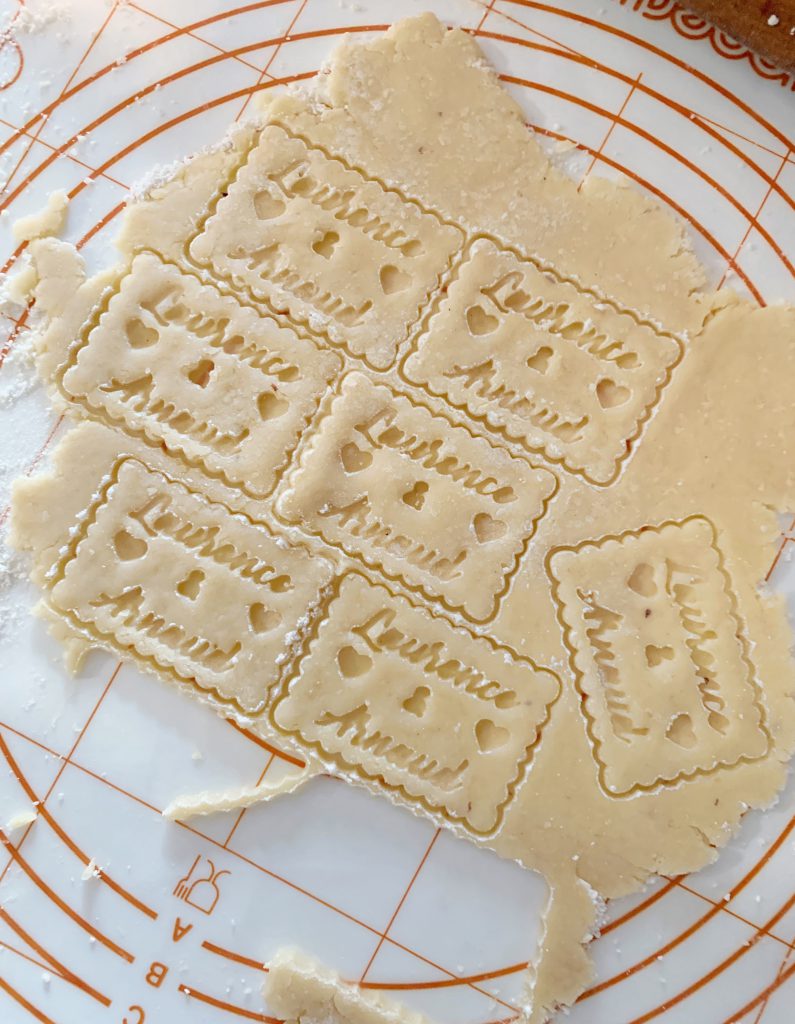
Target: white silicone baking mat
pixel 93 93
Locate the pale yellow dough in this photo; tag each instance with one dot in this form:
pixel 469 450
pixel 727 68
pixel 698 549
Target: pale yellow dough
pixel 386 427
pixel 303 991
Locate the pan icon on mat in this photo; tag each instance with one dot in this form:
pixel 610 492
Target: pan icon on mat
pixel 199 888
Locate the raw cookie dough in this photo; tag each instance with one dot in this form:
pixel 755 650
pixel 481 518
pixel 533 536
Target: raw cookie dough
pixel 375 389
pixel 303 991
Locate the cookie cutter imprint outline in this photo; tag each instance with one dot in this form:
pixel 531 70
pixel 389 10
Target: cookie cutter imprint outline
pixel 287 682
pixel 103 415
pixel 357 557
pixel 238 286
pixel 568 628
pixel 80 533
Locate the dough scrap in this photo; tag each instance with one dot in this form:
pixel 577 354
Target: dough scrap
pixel 44 223
pixel 183 807
pixel 303 991
pixel 443 323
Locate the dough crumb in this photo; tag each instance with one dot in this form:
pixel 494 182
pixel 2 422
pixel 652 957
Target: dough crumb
pixel 89 871
pixel 304 991
pixel 47 222
pixel 21 819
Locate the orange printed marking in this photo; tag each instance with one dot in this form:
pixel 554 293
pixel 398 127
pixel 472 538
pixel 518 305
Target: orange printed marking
pixel 180 930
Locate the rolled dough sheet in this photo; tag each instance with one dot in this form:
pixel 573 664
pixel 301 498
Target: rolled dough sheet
pixel 385 426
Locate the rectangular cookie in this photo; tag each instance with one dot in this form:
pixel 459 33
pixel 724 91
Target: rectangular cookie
pixel 395 694
pixel 198 593
pixel 543 362
pixel 411 494
pixel 179 364
pixel 290 209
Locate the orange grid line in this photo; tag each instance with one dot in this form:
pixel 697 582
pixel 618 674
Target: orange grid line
pixel 614 120
pixel 238 1011
pixel 243 810
pixel 401 901
pixel 74 159
pixel 764 996
pixel 53 964
pixel 62 835
pixel 271 59
pixel 754 221
pixel 19 998
pixel 34 138
pixel 613 30
pixel 654 94
pixel 192 35
pixel 38 881
pixel 64 761
pixel 718 969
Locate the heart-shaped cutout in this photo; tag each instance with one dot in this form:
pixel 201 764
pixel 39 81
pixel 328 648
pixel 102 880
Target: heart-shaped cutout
pixel 416 496
pixel 128 547
pixel 393 280
pixel 201 372
pixel 487 528
pixel 480 322
pixel 263 619
pixel 138 334
pixel 267 206
pixel 490 736
pixel 352 663
pixel 611 394
pixel 190 586
pixel 326 245
pixel 354 459
pixel 681 732
pixel 541 359
pixel 270 406
pixel 417 703
pixel 642 580
pixel 657 655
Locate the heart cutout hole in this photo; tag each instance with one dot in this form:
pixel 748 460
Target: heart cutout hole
pixel 416 496
pixel 352 663
pixel 681 732
pixel 480 322
pixel 263 619
pixel 128 547
pixel 326 245
pixel 201 373
pixel 490 736
pixel 270 406
pixel 191 585
pixel 541 359
pixel 267 206
pixel 487 528
pixel 393 280
pixel 138 334
pixel 642 580
pixel 657 655
pixel 354 460
pixel 417 703
pixel 611 394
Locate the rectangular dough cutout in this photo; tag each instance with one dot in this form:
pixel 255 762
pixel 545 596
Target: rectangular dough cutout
pixel 543 362
pixel 178 363
pixel 290 208
pixel 657 647
pixel 207 596
pixel 410 494
pixel 390 691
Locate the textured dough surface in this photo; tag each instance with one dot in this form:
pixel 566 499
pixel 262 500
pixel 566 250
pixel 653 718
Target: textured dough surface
pixel 385 427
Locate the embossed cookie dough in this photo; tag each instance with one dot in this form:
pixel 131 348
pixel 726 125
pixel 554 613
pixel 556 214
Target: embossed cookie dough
pixel 521 471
